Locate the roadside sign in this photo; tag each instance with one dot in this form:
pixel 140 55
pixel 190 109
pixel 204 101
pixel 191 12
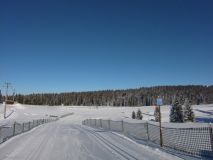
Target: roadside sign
pixel 159 101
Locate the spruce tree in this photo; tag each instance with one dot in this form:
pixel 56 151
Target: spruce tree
pixel 133 115
pixel 157 114
pixel 176 113
pixel 139 115
pixel 188 111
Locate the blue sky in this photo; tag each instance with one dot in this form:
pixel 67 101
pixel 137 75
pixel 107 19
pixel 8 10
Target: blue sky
pixel 64 45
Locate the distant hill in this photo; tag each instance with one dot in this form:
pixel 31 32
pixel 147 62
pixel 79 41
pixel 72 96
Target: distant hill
pixel 145 96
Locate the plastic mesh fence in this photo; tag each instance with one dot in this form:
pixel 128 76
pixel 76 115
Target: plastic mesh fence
pixel 105 124
pixel 93 122
pixel 192 140
pixel 14 129
pixel 154 133
pixel 98 123
pixel 136 130
pixel 195 141
pixel 18 128
pixel 116 126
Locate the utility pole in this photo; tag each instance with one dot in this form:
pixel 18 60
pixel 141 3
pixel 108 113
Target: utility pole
pixel 0 97
pixel 14 92
pixel 6 85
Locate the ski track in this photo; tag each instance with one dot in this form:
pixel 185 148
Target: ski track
pixel 110 145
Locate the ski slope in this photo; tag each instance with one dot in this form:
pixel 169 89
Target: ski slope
pixel 67 139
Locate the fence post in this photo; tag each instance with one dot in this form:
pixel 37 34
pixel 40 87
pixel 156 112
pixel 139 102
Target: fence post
pixel 0 134
pixel 147 130
pixel 29 126
pixel 14 128
pixel 160 127
pixel 101 122
pixel 22 127
pixel 211 136
pixel 109 124
pixel 122 125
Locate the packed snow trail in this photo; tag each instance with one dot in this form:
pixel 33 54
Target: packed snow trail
pixel 67 140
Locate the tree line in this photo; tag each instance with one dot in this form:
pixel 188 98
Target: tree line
pixel 145 96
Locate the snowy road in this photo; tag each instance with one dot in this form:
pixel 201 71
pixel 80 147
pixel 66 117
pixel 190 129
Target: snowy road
pixel 66 140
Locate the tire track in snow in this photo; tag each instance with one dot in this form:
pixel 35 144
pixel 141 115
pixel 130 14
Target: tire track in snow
pixel 112 146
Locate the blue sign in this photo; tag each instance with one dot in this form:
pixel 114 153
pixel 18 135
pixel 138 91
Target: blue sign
pixel 159 101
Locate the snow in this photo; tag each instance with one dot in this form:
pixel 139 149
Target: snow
pixel 29 112
pixel 68 139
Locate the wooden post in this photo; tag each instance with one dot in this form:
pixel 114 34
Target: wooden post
pixel 0 134
pixel 101 122
pixel 161 137
pixel 109 124
pixel 122 125
pixel 211 136
pixel 29 126
pixel 147 130
pixel 22 127
pixel 14 128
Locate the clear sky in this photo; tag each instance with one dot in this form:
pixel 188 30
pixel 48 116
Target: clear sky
pixel 65 45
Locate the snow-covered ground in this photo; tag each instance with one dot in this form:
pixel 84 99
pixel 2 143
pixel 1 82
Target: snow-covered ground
pixel 29 112
pixel 68 139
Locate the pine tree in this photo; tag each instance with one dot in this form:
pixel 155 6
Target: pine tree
pixel 157 114
pixel 133 115
pixel 188 111
pixel 176 113
pixel 139 115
